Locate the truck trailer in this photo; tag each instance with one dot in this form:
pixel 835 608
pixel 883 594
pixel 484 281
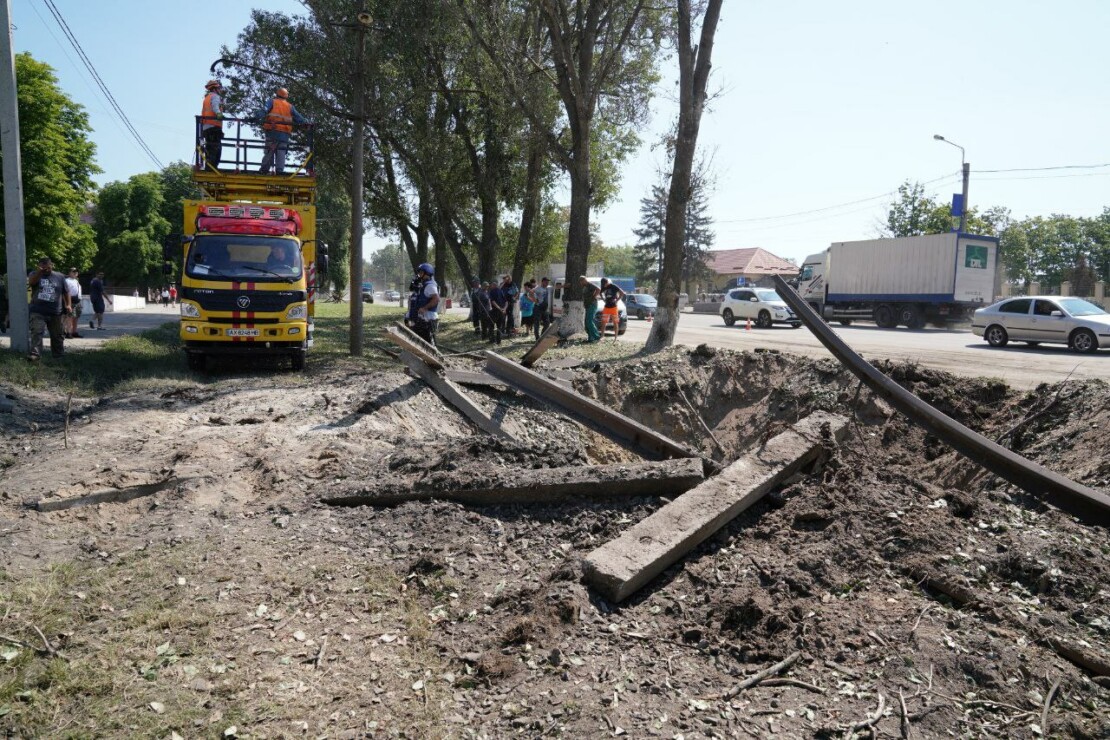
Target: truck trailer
pixel 249 255
pixel 905 281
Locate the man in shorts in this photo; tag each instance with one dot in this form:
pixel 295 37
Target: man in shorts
pixel 74 287
pixel 610 296
pixel 97 296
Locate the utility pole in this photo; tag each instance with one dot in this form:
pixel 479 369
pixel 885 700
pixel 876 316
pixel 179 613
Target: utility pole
pixel 14 235
pixel 963 211
pixel 358 154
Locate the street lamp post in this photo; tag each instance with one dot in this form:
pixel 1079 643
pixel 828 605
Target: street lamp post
pixel 966 167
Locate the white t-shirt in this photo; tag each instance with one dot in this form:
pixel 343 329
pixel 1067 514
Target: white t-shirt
pixel 74 288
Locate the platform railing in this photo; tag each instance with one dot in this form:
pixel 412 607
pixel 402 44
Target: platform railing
pixel 244 148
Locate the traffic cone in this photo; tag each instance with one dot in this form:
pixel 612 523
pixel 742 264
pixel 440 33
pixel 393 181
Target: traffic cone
pixel 748 327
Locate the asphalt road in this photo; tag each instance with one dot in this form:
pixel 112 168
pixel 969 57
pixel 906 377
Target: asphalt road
pixel 953 350
pixel 116 324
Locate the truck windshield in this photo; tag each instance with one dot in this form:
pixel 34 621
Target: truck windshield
pixel 244 258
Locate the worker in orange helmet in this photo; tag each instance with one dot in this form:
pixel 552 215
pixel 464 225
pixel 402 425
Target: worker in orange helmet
pixel 278 120
pixel 211 122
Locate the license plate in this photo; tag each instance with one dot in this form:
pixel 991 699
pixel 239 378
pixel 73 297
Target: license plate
pixel 243 332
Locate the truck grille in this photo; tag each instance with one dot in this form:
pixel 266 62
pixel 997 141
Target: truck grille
pixel 232 300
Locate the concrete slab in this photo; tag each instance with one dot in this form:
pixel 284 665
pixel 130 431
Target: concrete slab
pixel 622 566
pixel 548 340
pixel 453 395
pixel 662 478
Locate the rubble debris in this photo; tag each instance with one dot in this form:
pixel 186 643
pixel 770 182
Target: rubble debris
pixel 517 486
pixel 598 416
pixel 622 566
pixel 548 340
pixel 452 394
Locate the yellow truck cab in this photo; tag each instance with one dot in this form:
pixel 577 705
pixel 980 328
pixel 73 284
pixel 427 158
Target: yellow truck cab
pixel 249 257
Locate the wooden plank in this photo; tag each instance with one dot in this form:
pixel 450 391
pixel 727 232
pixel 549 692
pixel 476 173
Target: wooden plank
pixel 605 420
pixel 415 348
pixel 546 485
pixel 546 341
pixel 453 395
pixel 473 377
pixel 622 566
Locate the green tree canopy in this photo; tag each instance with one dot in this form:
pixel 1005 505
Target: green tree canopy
pixel 130 230
pixel 58 165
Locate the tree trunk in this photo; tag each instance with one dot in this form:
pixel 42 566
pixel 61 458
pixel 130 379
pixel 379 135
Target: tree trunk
pixel 578 241
pixel 491 241
pixel 445 233
pixel 693 67
pixel 531 207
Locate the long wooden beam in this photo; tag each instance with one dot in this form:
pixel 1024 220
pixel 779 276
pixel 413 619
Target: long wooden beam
pixel 622 566
pixel 605 420
pixel 453 395
pixel 516 486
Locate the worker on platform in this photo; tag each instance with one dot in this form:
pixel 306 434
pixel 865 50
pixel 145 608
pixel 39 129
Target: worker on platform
pixel 211 123
pixel 278 120
pixel 426 301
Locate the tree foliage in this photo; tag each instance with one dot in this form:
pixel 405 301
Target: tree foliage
pixel 130 230
pixel 57 164
pixel 698 239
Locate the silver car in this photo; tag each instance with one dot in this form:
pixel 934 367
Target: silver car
pixel 1081 325
pixel 761 305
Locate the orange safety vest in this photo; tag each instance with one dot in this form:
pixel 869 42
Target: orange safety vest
pixel 280 117
pixel 208 117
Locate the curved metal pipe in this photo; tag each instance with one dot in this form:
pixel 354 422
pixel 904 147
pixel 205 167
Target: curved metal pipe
pixel 1090 505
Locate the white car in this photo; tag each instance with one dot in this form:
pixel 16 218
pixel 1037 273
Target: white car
pixel 1081 325
pixel 762 306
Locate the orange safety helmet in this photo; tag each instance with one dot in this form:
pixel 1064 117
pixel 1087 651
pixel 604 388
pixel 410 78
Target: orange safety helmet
pixel 212 85
pixel 282 92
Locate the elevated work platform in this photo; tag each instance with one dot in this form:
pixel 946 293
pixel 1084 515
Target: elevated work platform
pixel 231 170
pixel 247 186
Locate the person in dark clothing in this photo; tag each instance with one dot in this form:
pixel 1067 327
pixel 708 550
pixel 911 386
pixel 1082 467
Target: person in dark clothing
pixel 484 310
pixel 49 303
pixel 475 310
pixel 542 313
pixel 512 293
pixel 97 296
pixel 498 306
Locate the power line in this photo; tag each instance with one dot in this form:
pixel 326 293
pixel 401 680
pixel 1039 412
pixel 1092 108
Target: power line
pixel 99 81
pixel 832 207
pixel 1057 167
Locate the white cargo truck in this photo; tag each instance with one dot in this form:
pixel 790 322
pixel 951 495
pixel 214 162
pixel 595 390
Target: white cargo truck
pixel 906 281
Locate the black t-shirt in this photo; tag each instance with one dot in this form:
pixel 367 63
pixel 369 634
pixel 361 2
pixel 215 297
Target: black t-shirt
pixel 48 297
pixel 611 294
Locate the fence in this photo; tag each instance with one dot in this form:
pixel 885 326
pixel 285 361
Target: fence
pixel 1062 290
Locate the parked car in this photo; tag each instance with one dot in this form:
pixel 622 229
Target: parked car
pixel 392 295
pixel 641 305
pixel 1081 325
pixel 762 306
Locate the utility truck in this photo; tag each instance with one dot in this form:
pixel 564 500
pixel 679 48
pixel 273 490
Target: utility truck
pixel 906 281
pixel 250 260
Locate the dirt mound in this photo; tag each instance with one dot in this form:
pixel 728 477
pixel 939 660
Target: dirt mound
pixel 919 589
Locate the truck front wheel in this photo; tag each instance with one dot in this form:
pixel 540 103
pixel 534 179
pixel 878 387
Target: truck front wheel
pixel 884 316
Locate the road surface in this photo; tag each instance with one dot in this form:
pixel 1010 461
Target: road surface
pixel 953 350
pixel 116 324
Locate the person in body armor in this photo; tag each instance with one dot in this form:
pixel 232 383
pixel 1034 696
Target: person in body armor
pixel 424 305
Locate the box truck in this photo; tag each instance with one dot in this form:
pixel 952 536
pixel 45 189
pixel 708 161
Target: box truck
pixel 905 281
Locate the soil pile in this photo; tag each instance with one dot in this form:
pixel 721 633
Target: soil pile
pixel 921 592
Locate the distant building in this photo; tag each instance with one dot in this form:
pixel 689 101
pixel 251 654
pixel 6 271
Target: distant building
pixel 756 266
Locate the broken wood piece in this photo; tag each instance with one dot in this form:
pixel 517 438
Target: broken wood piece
pixel 622 566
pixel 605 420
pixel 544 485
pixel 453 395
pixel 415 346
pixel 755 678
pixel 473 377
pixel 417 339
pixel 546 341
pixel 110 496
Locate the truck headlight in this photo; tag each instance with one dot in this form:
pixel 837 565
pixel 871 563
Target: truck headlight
pixel 189 310
pixel 300 311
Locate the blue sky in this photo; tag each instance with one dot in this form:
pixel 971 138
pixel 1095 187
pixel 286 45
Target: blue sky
pixel 818 105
